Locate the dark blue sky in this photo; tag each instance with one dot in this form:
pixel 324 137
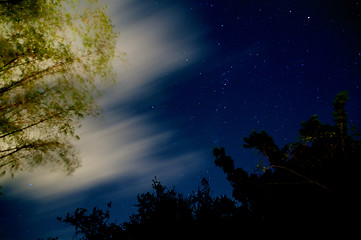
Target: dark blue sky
pixel 269 65
pixel 238 66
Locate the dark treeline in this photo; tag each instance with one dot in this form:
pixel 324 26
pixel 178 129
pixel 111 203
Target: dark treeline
pixel 165 214
pixel 305 186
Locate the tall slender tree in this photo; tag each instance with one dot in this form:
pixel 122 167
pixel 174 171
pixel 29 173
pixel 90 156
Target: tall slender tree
pixel 53 55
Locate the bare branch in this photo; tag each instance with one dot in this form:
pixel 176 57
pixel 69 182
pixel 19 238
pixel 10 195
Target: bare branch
pixel 302 176
pixel 36 75
pixel 29 126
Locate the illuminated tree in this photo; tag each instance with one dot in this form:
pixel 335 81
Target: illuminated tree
pixel 53 55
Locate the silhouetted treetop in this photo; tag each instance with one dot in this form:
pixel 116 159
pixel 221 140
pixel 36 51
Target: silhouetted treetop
pixel 313 178
pixel 94 225
pixel 166 214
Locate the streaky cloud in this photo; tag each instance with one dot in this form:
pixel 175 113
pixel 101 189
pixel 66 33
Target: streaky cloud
pixel 118 151
pixel 155 43
pixel 124 144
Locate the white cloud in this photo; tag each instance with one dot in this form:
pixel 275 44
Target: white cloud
pixel 125 145
pixel 126 149
pixel 155 44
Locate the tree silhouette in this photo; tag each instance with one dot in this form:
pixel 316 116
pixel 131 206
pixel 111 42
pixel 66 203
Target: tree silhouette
pixel 307 186
pixel 94 225
pixel 311 181
pixel 165 214
pixel 50 238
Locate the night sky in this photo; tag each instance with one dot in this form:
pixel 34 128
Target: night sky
pixel 198 74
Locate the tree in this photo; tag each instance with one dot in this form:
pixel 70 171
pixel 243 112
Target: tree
pixel 166 214
pixel 160 214
pixel 307 182
pixel 93 226
pixel 53 54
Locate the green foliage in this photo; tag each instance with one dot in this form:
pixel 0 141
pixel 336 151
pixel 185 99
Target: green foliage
pixel 52 57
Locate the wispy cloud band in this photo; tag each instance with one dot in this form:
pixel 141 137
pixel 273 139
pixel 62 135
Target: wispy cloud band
pixel 124 144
